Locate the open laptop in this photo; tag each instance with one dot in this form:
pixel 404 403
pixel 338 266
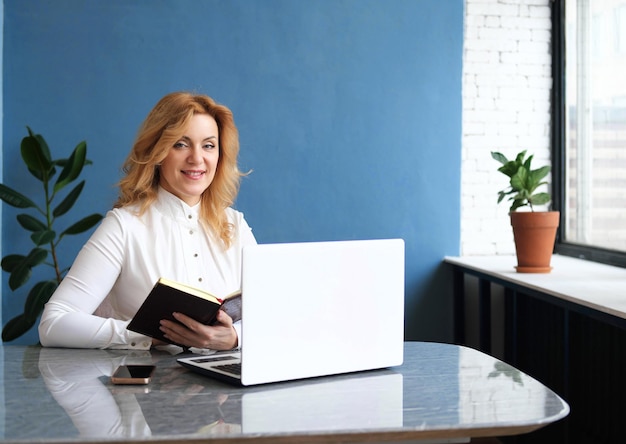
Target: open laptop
pixel 314 309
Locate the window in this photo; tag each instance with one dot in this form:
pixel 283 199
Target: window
pixel 589 128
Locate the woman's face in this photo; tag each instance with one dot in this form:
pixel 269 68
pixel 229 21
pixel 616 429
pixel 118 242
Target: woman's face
pixel 190 165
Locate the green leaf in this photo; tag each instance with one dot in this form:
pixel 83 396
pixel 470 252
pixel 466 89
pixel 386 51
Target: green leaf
pixel 540 199
pixel 517 204
pixel 69 200
pixel 43 237
pixel 16 327
pixel 15 199
pixel 519 179
pixel 499 157
pixel 30 223
pixel 10 261
pixel 73 167
pixel 540 173
pixel 509 169
pixel 43 145
pixel 501 196
pixel 36 158
pixel 36 257
pixel 37 298
pixel 19 276
pixel 83 225
pixel 21 272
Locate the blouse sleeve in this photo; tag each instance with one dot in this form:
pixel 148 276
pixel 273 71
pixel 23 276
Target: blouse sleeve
pixel 68 319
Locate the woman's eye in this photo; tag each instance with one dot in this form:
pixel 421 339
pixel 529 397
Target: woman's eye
pixel 180 145
pixel 209 146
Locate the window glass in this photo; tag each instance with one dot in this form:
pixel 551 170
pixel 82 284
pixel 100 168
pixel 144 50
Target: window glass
pixel 595 124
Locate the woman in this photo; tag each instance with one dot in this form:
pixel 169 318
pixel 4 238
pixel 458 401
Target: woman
pixel 173 219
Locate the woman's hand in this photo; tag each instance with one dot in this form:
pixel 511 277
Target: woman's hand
pixel 157 342
pixel 219 336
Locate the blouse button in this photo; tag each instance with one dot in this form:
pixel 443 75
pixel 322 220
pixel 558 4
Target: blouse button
pixel 190 216
pixel 199 279
pixel 195 255
pixel 190 231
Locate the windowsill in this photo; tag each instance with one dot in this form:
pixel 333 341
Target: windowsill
pixel 597 286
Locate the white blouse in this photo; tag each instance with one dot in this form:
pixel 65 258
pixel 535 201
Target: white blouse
pixel 115 270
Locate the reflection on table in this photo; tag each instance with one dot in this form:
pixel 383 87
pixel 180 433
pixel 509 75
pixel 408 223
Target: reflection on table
pixel 440 392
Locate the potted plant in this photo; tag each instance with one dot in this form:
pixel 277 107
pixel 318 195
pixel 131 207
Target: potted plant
pixel 534 232
pixel 41 226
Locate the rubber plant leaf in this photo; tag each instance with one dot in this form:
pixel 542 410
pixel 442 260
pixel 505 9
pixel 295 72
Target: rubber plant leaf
pixel 73 167
pixel 15 199
pixel 36 257
pixel 22 271
pixel 36 157
pixel 10 261
pixel 83 225
pixel 43 237
pixel 30 223
pixel 19 276
pixel 37 298
pixel 42 143
pixel 16 327
pixel 69 200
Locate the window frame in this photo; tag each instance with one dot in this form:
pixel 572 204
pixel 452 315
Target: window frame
pixel 558 151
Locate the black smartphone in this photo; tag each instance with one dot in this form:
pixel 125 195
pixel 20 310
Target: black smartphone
pixel 133 374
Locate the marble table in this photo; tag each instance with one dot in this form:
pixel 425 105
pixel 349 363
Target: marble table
pixel 442 393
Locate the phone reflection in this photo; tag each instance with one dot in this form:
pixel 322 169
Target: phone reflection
pixel 180 402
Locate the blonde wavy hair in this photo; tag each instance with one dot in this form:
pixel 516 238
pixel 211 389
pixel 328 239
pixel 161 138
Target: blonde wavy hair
pixel 163 127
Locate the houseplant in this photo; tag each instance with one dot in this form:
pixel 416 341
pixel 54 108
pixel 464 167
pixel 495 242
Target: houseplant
pixel 41 226
pixel 534 232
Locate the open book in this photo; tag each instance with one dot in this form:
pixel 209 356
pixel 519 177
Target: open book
pixel 168 296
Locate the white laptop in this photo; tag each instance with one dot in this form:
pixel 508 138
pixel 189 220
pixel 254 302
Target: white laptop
pixel 314 309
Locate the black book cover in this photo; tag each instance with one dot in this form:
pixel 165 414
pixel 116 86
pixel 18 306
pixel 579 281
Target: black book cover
pixel 167 297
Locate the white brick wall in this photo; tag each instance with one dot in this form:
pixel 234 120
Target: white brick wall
pixel 506 107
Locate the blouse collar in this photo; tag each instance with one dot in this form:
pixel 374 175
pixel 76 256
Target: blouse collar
pixel 169 204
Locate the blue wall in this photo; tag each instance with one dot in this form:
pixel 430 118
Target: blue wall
pixel 349 114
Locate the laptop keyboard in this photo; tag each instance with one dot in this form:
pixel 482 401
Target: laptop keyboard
pixel 213 359
pixel 234 369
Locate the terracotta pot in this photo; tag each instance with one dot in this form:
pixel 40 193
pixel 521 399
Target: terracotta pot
pixel 534 234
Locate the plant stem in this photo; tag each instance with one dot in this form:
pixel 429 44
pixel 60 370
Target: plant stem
pixel 56 262
pixel 53 251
